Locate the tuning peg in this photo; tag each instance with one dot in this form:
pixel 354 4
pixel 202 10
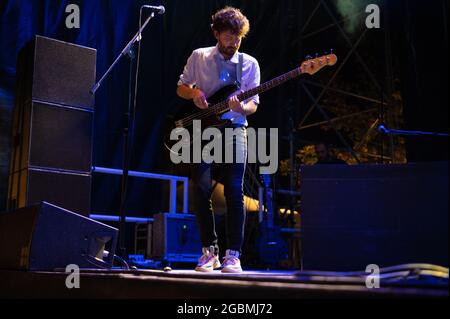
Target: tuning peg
pixel 332 51
pixel 317 55
pixel 308 57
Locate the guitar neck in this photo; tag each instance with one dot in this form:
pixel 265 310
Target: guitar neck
pixel 223 106
pixel 269 84
pixel 310 66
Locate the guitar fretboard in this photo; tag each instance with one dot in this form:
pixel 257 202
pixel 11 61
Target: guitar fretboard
pixel 223 106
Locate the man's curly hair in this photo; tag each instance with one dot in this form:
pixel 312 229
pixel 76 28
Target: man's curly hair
pixel 230 19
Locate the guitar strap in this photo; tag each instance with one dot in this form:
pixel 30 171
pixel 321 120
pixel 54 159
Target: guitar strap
pixel 239 70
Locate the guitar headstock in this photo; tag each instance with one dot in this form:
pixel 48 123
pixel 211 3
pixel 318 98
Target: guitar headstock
pixel 314 65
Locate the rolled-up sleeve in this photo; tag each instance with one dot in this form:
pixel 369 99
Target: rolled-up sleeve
pixel 188 76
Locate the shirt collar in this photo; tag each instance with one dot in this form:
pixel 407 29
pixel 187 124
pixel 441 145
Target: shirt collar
pixel 234 58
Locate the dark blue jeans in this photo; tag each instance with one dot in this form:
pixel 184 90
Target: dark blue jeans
pixel 232 176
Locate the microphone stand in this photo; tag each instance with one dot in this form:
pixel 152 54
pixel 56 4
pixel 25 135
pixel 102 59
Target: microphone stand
pixel 389 131
pixel 127 129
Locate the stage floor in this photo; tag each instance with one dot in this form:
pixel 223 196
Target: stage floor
pixel 188 284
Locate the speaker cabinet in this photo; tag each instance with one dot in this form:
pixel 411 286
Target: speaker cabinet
pixel 58 72
pixel 52 129
pixel 52 136
pixel 69 190
pixel 353 216
pixel 176 238
pixel 48 237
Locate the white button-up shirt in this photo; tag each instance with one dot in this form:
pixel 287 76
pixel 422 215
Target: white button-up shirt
pixel 207 70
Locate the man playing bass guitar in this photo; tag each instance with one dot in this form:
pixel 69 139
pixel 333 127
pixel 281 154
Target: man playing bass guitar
pixel 208 70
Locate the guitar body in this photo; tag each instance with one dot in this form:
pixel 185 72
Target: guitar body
pixel 186 115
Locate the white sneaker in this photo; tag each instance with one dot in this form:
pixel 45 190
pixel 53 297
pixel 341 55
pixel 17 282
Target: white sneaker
pixel 208 261
pixel 231 262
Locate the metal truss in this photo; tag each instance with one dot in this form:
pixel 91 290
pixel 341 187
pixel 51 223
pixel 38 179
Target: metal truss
pixel 385 89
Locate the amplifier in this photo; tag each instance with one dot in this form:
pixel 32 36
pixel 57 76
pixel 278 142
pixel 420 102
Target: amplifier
pixel 176 238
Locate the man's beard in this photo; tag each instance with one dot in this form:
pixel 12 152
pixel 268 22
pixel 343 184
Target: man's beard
pixel 228 51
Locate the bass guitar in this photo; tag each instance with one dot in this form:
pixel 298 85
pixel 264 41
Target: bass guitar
pixel 210 117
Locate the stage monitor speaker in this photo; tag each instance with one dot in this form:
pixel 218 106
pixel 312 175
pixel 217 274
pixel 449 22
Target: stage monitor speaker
pixel 57 72
pixel 48 237
pixel 353 216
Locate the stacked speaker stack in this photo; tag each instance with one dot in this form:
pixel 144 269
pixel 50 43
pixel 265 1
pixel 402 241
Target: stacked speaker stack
pixel 53 126
pixel 46 227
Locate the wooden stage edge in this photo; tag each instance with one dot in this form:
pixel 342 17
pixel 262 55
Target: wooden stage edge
pixel 188 284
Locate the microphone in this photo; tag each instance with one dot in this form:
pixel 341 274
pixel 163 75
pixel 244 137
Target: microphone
pixel 158 9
